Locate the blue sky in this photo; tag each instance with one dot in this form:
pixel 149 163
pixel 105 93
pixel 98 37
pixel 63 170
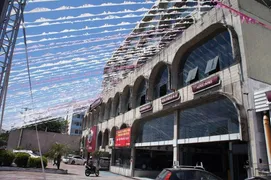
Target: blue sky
pixel 68 49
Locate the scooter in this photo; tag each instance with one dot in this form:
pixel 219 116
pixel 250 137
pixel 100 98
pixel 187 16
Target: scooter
pixel 91 170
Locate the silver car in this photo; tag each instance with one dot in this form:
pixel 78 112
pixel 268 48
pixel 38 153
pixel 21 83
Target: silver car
pixel 76 159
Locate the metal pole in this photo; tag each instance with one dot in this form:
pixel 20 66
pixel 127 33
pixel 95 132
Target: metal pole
pixel 43 172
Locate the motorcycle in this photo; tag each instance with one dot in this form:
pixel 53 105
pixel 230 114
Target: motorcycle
pixel 91 170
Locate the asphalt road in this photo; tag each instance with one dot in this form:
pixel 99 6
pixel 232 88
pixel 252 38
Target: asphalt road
pixel 74 172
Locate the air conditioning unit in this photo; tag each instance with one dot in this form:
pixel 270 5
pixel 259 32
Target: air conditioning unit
pixel 111 142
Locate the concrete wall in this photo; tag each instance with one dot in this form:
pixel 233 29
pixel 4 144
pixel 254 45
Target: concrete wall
pixel 47 139
pixel 257 40
pixel 120 170
pixel 148 174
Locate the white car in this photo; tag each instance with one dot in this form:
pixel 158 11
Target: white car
pixel 28 152
pixel 77 160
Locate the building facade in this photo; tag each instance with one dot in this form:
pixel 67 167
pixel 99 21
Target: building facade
pixel 75 124
pixel 194 101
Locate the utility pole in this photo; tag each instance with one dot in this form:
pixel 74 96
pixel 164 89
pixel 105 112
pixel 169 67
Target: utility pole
pixel 12 17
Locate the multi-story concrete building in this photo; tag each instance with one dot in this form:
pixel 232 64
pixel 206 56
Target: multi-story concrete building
pixel 75 124
pixel 197 100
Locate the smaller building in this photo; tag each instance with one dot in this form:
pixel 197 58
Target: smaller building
pixel 75 123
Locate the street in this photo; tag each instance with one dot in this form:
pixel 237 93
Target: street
pixel 74 172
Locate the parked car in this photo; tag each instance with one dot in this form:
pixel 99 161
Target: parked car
pixel 186 173
pixel 28 152
pixel 77 160
pixel 104 163
pixel 259 178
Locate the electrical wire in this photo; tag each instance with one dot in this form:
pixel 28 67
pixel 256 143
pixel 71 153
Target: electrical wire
pixel 31 94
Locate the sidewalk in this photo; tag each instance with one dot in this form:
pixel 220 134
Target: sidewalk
pixel 142 178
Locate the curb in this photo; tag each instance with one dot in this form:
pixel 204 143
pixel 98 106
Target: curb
pixel 47 170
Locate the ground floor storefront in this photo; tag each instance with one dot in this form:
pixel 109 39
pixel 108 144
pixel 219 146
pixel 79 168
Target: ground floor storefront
pixel 208 132
pixel 224 159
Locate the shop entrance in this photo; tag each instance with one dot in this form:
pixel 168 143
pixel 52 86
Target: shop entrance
pixel 150 161
pixel 217 158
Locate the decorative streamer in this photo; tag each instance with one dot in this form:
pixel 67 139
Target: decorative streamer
pixel 244 17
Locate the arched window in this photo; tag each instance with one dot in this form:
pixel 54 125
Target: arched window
pixel 155 129
pixel 126 99
pixel 116 104
pixel 141 93
pixel 123 126
pixel 101 114
pixel 100 135
pixel 207 57
pixel 209 119
pixel 106 138
pixel 161 83
pixel 96 116
pixel 107 113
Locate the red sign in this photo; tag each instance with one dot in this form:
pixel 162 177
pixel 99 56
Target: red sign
pixel 170 98
pixel 91 139
pixel 123 137
pixel 268 96
pixel 213 81
pixel 145 108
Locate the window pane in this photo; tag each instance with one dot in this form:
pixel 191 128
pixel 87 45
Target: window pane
pixel 163 90
pixel 219 45
pixel 143 100
pixel 157 129
pixel 214 118
pixel 140 97
pixel 161 79
pixel 192 74
pixel 212 65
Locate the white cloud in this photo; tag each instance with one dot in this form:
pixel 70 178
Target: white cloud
pixel 39 1
pixel 42 9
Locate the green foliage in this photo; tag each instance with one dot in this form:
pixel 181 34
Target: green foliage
pixel 19 148
pixel 21 159
pixel 36 163
pixel 98 154
pixel 57 125
pixel 6 157
pixel 4 139
pixel 57 149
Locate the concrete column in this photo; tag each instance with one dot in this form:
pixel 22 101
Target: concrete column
pixel 267 133
pixel 231 161
pixel 132 162
pixel 175 137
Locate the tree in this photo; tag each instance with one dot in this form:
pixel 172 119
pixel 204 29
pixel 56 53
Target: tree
pixel 57 125
pixel 4 139
pixel 56 151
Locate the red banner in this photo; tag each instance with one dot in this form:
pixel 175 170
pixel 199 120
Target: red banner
pixel 123 137
pixel 91 139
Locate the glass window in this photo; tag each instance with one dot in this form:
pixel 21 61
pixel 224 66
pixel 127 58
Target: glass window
pixel 214 118
pixel 192 75
pixel 108 110
pixel 141 94
pixel 199 56
pixel 127 100
pixel 266 3
pixel 157 129
pixel 116 107
pixel 212 66
pixel 122 158
pixel 161 82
